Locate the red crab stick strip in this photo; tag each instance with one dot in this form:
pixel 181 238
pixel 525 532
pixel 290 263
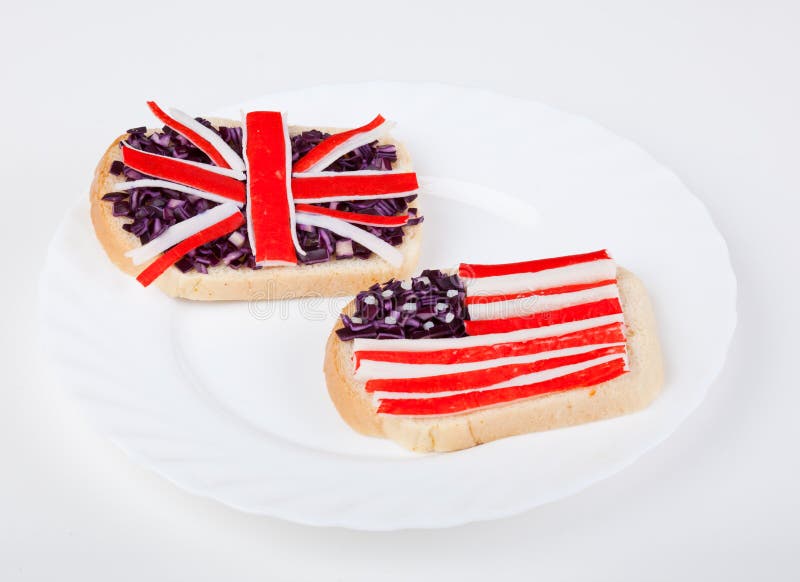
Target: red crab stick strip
pixel 523 380
pixel 373 370
pixel 473 271
pixel 481 399
pixel 606 334
pixel 203 177
pixel 270 210
pixel 380 247
pixel 180 232
pixel 338 186
pixel 484 377
pixel 208 141
pixel 354 217
pixel 334 147
pixel 173 255
pixel 568 314
pixel 577 274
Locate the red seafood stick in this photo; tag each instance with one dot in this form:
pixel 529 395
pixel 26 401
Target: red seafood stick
pixel 270 208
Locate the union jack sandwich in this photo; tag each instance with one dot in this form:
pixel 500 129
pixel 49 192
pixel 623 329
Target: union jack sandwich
pixel 256 209
pixel 453 359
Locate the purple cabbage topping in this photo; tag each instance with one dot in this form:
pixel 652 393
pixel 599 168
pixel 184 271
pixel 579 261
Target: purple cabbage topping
pixel 429 306
pixel 153 210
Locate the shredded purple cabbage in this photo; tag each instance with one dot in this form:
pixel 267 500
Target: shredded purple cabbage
pixel 153 210
pixel 431 306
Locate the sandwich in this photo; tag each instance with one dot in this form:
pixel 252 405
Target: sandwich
pixel 455 358
pixel 218 209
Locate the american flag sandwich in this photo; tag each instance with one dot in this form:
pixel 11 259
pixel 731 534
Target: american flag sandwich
pixel 217 209
pixel 452 359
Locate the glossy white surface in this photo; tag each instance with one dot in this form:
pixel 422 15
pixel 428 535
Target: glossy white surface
pixel 706 87
pixel 228 400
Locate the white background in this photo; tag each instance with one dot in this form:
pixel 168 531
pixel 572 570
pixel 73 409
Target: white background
pixel 709 87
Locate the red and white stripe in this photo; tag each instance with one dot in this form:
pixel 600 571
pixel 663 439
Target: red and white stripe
pixel 205 139
pixel 474 400
pixel 494 308
pixel 357 185
pixel 540 326
pixel 213 179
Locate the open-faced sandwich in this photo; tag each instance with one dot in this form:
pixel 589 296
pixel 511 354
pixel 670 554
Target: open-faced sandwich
pixel 449 360
pixel 219 209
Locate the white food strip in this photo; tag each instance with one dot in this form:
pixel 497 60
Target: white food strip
pixel 347 230
pixel 375 369
pixel 540 303
pixel 352 143
pixel 518 381
pixel 287 140
pixel 228 154
pixel 148 183
pixel 489 339
pixel 180 232
pixel 589 272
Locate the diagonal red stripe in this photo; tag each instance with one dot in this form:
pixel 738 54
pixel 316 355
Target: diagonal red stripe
pixel 329 144
pixel 173 255
pixel 198 140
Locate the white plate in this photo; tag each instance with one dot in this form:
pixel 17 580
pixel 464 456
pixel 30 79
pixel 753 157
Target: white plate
pixel 228 400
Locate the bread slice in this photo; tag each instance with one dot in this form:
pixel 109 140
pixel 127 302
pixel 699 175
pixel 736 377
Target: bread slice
pixel 333 278
pixel 627 393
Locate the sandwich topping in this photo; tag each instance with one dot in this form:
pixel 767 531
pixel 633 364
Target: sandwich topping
pixel 302 199
pixel 492 334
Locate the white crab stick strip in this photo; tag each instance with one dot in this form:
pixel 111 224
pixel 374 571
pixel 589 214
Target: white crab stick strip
pixel 146 183
pixel 539 303
pixel 518 381
pixel 338 144
pixel 180 232
pixel 489 339
pixel 373 369
pixel 520 282
pixel 227 152
pixel 381 248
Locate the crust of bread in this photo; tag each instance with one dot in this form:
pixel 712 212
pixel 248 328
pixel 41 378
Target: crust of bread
pixel 333 278
pixel 625 394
